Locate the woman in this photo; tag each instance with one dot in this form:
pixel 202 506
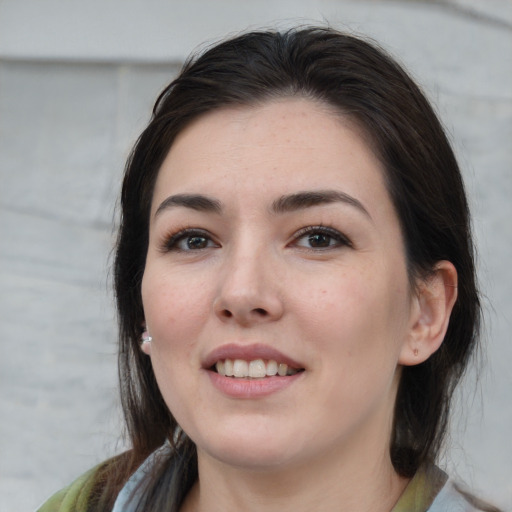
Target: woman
pixel 295 286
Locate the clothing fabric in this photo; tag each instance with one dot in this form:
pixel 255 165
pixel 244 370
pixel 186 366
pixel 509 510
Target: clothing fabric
pixel 429 491
pixel 74 497
pixel 432 491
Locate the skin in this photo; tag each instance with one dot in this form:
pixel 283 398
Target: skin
pixel 341 306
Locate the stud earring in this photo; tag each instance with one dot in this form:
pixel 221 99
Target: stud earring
pixel 146 338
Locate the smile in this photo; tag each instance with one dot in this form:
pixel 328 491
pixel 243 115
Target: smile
pixel 254 369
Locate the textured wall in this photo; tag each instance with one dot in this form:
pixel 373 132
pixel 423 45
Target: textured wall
pixel 76 85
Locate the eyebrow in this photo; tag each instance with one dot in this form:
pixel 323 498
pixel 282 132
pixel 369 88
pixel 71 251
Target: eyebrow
pixel 308 199
pixel 196 202
pixel 284 204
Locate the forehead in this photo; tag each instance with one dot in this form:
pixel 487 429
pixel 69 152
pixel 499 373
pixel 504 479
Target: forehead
pixel 278 147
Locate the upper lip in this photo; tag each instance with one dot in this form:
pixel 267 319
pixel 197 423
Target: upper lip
pixel 248 353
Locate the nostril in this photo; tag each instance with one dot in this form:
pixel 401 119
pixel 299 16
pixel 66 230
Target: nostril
pixel 243 313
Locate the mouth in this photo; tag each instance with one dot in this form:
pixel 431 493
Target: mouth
pixel 253 369
pixel 255 361
pixel 251 372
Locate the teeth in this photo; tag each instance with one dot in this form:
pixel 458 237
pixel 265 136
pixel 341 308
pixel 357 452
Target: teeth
pixel 228 368
pixel 219 366
pixel 272 368
pixel 256 369
pixel 283 368
pixel 240 368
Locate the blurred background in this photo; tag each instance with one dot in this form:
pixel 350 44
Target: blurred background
pixel 77 82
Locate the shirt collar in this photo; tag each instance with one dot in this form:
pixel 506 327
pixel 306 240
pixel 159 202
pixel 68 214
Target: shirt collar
pixel 421 490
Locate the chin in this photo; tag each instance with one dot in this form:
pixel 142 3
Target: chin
pixel 255 452
pixel 253 460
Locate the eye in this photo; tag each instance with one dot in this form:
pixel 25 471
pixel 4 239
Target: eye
pixel 321 238
pixel 188 240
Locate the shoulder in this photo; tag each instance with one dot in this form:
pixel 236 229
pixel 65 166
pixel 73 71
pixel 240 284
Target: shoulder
pixel 74 497
pixel 134 490
pixel 98 488
pixel 432 490
pixel 453 498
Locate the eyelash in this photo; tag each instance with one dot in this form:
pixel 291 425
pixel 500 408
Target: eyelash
pixel 339 238
pixel 172 242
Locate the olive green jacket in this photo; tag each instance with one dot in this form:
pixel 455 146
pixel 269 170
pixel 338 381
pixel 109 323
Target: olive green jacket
pixel 74 497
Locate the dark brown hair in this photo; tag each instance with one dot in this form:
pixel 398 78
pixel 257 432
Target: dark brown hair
pixel 362 83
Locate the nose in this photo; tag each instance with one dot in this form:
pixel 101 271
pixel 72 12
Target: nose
pixel 249 291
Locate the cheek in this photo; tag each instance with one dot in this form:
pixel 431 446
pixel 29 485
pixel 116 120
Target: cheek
pixel 357 314
pixel 174 308
pixel 175 312
pixel 339 300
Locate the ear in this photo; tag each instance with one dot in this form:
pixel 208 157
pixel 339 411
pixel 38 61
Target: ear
pixel 430 314
pixel 146 342
pixel 146 348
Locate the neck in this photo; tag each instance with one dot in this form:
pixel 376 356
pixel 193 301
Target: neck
pixel 327 485
pixel 352 473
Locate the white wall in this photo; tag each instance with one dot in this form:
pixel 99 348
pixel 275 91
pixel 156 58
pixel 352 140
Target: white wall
pixel 72 100
pixel 163 30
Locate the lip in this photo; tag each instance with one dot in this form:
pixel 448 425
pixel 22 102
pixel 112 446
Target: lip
pixel 249 353
pixel 251 388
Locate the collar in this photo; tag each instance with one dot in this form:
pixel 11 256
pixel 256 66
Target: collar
pixel 421 490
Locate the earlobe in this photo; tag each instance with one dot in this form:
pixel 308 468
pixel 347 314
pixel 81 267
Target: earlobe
pixel 146 343
pixel 430 314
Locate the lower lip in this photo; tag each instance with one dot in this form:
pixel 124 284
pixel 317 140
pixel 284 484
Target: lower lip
pixel 251 388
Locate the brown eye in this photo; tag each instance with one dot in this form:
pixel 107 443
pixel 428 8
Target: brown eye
pixel 321 238
pixel 189 240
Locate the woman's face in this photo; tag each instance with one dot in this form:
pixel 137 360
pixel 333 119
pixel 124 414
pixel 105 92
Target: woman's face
pixel 273 242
